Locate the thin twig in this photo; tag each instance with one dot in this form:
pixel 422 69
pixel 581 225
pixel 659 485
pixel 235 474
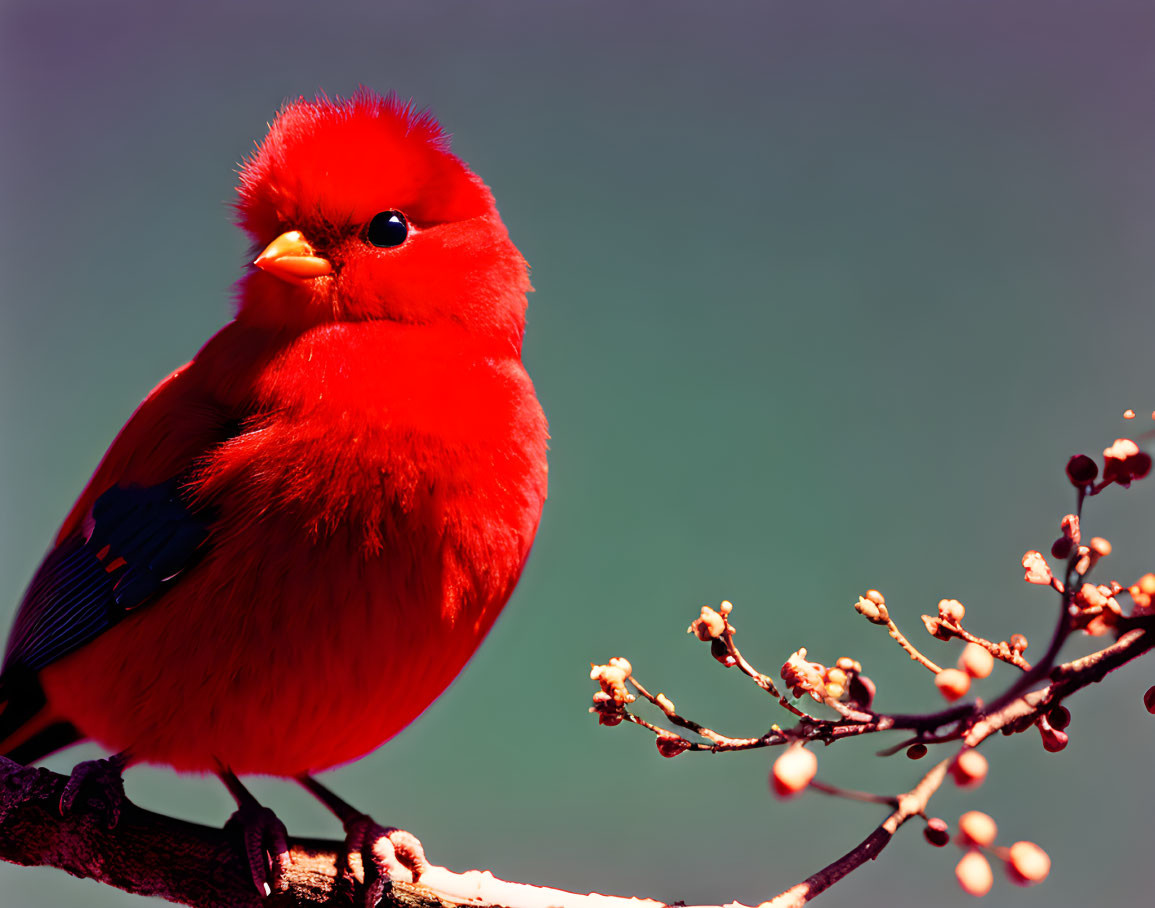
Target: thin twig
pixel 911 649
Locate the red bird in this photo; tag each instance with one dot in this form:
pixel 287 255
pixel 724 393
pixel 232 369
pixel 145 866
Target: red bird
pixel 301 536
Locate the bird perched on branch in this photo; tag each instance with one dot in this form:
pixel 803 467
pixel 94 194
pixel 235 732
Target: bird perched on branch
pixel 300 537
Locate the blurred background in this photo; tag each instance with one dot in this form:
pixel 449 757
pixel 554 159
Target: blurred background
pixel 826 296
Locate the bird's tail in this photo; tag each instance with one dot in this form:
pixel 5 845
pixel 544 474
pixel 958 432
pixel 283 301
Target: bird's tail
pixel 28 730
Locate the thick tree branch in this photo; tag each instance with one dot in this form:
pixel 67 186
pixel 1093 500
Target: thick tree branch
pixel 151 854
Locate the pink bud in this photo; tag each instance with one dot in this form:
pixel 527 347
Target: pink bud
pixel 974 874
pixel 977 828
pixel 969 769
pixel 952 683
pixel 976 661
pixel 1027 864
pixel 1036 569
pixel 793 771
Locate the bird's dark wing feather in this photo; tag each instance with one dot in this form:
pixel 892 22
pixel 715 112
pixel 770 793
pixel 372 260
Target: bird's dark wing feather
pixel 140 538
pixel 129 535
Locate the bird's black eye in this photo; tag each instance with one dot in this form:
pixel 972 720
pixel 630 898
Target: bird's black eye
pixel 389 228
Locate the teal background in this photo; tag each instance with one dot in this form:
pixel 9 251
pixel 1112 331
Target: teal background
pixel 826 294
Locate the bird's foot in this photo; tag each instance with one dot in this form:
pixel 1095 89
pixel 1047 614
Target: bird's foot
pixel 265 844
pixel 98 785
pixel 264 839
pixel 386 854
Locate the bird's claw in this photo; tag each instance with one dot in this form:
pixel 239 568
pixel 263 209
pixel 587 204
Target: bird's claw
pixel 102 784
pixel 386 854
pixel 266 846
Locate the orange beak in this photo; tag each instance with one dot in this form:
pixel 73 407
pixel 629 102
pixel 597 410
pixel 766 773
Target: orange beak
pixel 291 258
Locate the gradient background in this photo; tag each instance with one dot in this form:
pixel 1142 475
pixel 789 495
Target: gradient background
pixel 826 295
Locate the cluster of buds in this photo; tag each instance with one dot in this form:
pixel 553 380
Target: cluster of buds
pixel 1069 543
pixel 872 607
pixel 804 677
pixel 844 680
pixel 1143 595
pixel 1094 608
pixel 975 662
pixel 1026 863
pixel 610 702
pixel 1097 547
pixel 948 623
pixel 1123 463
pixel 713 626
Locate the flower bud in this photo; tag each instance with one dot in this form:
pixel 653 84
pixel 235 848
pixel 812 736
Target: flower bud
pixel 1059 717
pixel 974 874
pixel 1053 739
pixel 671 745
pixel 1036 570
pixel 969 769
pixel 872 611
pixel 952 683
pixel 1081 470
pixel 612 678
pixel 936 832
pixel 1027 864
pixel 934 627
pixel 1123 462
pixel 951 610
pixel 1143 592
pixel 976 661
pixel 793 771
pixel 708 626
pixel 977 828
pixel 1100 546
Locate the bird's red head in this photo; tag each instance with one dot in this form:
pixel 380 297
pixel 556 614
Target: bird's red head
pixel 360 211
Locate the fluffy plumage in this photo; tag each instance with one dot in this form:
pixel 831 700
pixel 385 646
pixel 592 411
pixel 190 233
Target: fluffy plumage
pixel 364 450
